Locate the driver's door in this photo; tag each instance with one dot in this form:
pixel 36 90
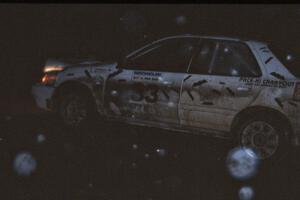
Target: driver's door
pixel 147 87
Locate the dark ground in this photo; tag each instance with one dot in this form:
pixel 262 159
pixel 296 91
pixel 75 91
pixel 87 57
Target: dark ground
pixel 101 161
pixel 105 161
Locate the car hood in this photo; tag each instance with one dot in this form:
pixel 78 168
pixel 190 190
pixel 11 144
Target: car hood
pixel 54 64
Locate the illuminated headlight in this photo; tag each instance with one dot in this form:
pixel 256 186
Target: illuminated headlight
pixel 52 68
pixel 50 74
pixel 49 79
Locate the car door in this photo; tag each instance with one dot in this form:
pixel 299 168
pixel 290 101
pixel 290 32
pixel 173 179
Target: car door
pixel 216 86
pixel 147 87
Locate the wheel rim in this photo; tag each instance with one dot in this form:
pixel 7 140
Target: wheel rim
pixel 260 137
pixel 74 111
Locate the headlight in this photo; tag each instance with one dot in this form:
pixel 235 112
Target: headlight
pixel 50 74
pixel 49 79
pixel 52 68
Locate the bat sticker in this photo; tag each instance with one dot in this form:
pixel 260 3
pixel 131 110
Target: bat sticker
pixel 268 60
pixel 230 91
pixel 186 78
pixel 199 83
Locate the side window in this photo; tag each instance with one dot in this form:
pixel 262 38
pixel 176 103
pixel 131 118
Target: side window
pixel 235 59
pixel 203 57
pixel 172 55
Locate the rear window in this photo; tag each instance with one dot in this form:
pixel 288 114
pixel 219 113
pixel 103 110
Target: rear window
pixel 289 58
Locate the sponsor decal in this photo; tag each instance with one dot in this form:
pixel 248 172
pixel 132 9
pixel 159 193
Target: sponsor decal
pixel 278 84
pixel 142 75
pixel 250 80
pixel 267 82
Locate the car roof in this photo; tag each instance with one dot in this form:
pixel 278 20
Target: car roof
pixel 236 39
pixel 255 42
pixel 199 36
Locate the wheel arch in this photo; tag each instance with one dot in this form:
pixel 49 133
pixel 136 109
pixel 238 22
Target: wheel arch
pixel 261 110
pixel 69 86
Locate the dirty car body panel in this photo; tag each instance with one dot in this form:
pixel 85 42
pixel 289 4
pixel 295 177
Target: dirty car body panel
pixel 189 83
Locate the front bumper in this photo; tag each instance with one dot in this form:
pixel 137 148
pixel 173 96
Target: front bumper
pixel 42 95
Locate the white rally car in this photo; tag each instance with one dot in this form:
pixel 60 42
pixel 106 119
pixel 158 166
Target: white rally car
pixel 218 86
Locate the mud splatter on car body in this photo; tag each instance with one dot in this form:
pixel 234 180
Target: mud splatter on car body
pixel 203 102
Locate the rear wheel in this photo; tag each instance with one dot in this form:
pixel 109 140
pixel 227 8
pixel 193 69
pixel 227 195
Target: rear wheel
pixel 266 136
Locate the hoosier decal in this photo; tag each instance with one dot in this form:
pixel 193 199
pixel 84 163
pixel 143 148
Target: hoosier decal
pixel 142 75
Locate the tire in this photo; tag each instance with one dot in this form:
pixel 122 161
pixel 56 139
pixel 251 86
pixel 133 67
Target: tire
pixel 265 135
pixel 76 108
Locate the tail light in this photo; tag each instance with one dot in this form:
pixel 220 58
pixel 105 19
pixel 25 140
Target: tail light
pixel 296 95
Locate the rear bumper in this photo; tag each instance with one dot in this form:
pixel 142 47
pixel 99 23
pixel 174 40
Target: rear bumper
pixel 42 95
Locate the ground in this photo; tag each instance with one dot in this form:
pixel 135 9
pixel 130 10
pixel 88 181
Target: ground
pixel 117 161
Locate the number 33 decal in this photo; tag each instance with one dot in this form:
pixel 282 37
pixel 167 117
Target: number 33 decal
pixel 148 92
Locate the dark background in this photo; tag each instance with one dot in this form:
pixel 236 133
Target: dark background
pixel 31 33
pixel 99 161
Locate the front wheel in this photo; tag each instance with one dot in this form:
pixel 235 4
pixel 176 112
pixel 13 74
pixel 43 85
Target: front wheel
pixel 75 108
pixel 265 136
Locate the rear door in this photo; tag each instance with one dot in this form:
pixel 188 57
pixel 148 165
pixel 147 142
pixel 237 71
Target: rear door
pixel 148 89
pixel 216 86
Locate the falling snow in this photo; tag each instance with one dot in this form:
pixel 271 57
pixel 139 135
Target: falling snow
pixel 24 164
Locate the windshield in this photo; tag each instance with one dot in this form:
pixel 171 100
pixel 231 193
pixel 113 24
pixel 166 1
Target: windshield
pixel 289 58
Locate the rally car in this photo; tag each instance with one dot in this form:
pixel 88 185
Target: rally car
pixel 218 86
